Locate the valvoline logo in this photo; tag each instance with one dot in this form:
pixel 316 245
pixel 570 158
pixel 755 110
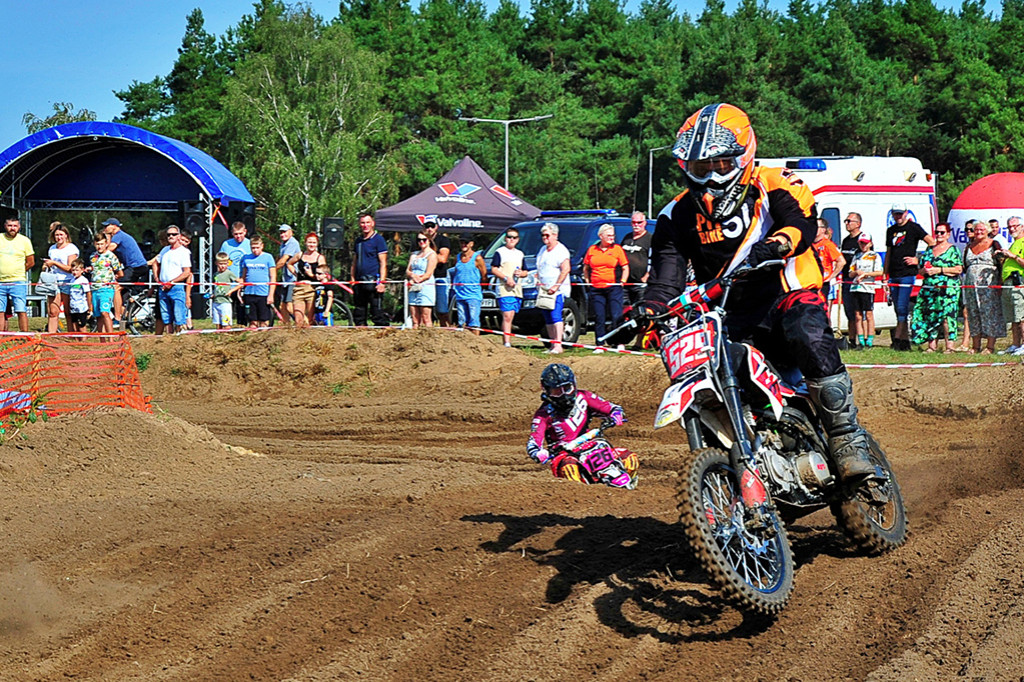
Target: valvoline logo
pixel 452 190
pixel 425 218
pixel 498 189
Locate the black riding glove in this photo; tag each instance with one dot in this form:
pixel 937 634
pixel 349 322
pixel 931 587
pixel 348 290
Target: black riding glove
pixel 641 313
pixel 767 250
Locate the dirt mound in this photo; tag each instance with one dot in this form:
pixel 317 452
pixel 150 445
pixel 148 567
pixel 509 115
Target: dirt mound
pixel 960 393
pixel 335 504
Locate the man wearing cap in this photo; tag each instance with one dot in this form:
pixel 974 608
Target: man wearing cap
pixel 901 242
pixel 16 258
pixel 283 296
pixel 133 263
pixel 369 268
pixel 236 248
pixel 444 248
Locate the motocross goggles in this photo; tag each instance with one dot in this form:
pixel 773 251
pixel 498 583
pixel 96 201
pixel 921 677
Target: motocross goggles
pixel 719 170
pixel 561 390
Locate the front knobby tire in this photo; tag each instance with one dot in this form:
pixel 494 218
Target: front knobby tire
pixel 875 518
pixel 753 567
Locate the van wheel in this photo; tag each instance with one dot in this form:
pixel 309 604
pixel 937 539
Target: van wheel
pixel 573 321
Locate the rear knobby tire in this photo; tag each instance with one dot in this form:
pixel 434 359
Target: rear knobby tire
pixel 874 527
pixel 753 569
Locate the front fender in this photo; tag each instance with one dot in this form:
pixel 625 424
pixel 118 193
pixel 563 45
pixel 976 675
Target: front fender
pixel 679 397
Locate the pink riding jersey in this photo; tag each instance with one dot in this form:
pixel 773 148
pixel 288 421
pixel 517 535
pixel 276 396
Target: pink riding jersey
pixel 555 428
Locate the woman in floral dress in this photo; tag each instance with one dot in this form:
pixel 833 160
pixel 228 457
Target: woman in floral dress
pixel 939 299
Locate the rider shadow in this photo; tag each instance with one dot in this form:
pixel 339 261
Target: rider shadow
pixel 655 587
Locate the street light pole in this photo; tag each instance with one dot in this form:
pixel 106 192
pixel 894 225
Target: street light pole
pixel 650 178
pixel 506 122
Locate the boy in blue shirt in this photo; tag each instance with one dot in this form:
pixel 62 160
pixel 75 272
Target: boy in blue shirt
pixel 259 273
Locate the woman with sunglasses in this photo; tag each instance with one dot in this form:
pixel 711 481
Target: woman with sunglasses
pixel 935 313
pixel 419 276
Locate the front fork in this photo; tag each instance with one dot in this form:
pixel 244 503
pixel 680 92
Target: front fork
pixel 741 455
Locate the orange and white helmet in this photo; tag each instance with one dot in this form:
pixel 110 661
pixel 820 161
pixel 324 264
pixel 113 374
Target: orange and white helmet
pixel 716 148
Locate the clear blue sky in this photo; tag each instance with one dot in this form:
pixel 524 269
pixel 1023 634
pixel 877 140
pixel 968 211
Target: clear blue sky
pixel 80 52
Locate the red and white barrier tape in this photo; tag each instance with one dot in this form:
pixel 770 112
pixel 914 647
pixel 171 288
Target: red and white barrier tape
pixel 606 349
pixel 936 365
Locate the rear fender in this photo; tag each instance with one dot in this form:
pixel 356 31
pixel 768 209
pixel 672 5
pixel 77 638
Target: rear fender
pixel 679 397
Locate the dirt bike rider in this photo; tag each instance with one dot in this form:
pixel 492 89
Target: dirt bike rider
pixel 734 212
pixel 563 416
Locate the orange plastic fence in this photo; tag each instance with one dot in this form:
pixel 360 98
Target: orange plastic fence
pixel 69 373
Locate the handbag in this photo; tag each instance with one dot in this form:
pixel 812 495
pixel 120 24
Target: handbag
pixel 415 288
pixel 47 285
pixel 546 301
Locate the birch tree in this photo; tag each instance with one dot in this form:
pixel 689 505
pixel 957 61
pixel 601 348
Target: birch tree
pixel 304 123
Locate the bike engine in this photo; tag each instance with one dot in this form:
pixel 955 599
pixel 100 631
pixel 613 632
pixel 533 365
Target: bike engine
pixel 799 475
pixel 814 473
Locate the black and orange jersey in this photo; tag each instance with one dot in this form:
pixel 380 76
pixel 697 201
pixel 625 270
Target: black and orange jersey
pixel 778 203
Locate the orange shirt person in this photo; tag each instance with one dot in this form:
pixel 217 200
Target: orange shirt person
pixel 829 256
pixel 600 267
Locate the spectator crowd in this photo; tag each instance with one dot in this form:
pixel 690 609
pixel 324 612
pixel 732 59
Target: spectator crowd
pixel 935 287
pixel 939 292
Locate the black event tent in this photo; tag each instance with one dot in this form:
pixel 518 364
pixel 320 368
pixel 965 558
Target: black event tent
pixel 466 199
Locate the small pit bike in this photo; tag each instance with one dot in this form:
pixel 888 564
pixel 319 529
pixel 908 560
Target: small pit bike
pixel 758 455
pixel 598 461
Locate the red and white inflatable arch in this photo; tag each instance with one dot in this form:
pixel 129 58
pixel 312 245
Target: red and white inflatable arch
pixel 999 196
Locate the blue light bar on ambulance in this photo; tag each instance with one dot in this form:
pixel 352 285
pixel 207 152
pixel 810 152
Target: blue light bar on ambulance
pixel 807 164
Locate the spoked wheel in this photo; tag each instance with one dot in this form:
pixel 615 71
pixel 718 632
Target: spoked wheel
pixel 749 558
pixel 341 315
pixel 138 319
pixel 875 518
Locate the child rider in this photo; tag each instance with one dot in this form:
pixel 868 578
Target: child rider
pixel 563 416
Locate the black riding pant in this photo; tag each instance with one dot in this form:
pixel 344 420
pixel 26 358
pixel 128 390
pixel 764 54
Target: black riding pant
pixel 366 295
pixel 795 333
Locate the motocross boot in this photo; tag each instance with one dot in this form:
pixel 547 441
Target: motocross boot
pixel 568 467
pixel 833 396
pixel 631 463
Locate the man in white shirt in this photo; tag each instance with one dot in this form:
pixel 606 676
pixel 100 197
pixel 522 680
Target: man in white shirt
pixel 507 267
pixel 553 278
pixel 174 268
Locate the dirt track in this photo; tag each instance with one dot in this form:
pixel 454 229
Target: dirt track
pixel 358 506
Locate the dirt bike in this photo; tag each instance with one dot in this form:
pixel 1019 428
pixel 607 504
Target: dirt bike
pixel 758 455
pixel 140 310
pixel 599 461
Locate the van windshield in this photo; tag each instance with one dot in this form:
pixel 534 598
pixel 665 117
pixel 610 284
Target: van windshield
pixel 530 242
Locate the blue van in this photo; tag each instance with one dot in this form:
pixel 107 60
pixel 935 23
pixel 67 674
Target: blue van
pixel 577 230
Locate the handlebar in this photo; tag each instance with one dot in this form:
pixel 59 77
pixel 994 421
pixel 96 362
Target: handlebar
pixel 700 295
pixel 584 437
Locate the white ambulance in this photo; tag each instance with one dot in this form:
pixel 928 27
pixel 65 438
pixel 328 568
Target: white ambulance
pixel 868 185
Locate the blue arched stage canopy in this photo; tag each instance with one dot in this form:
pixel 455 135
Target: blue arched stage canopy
pixel 97 165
